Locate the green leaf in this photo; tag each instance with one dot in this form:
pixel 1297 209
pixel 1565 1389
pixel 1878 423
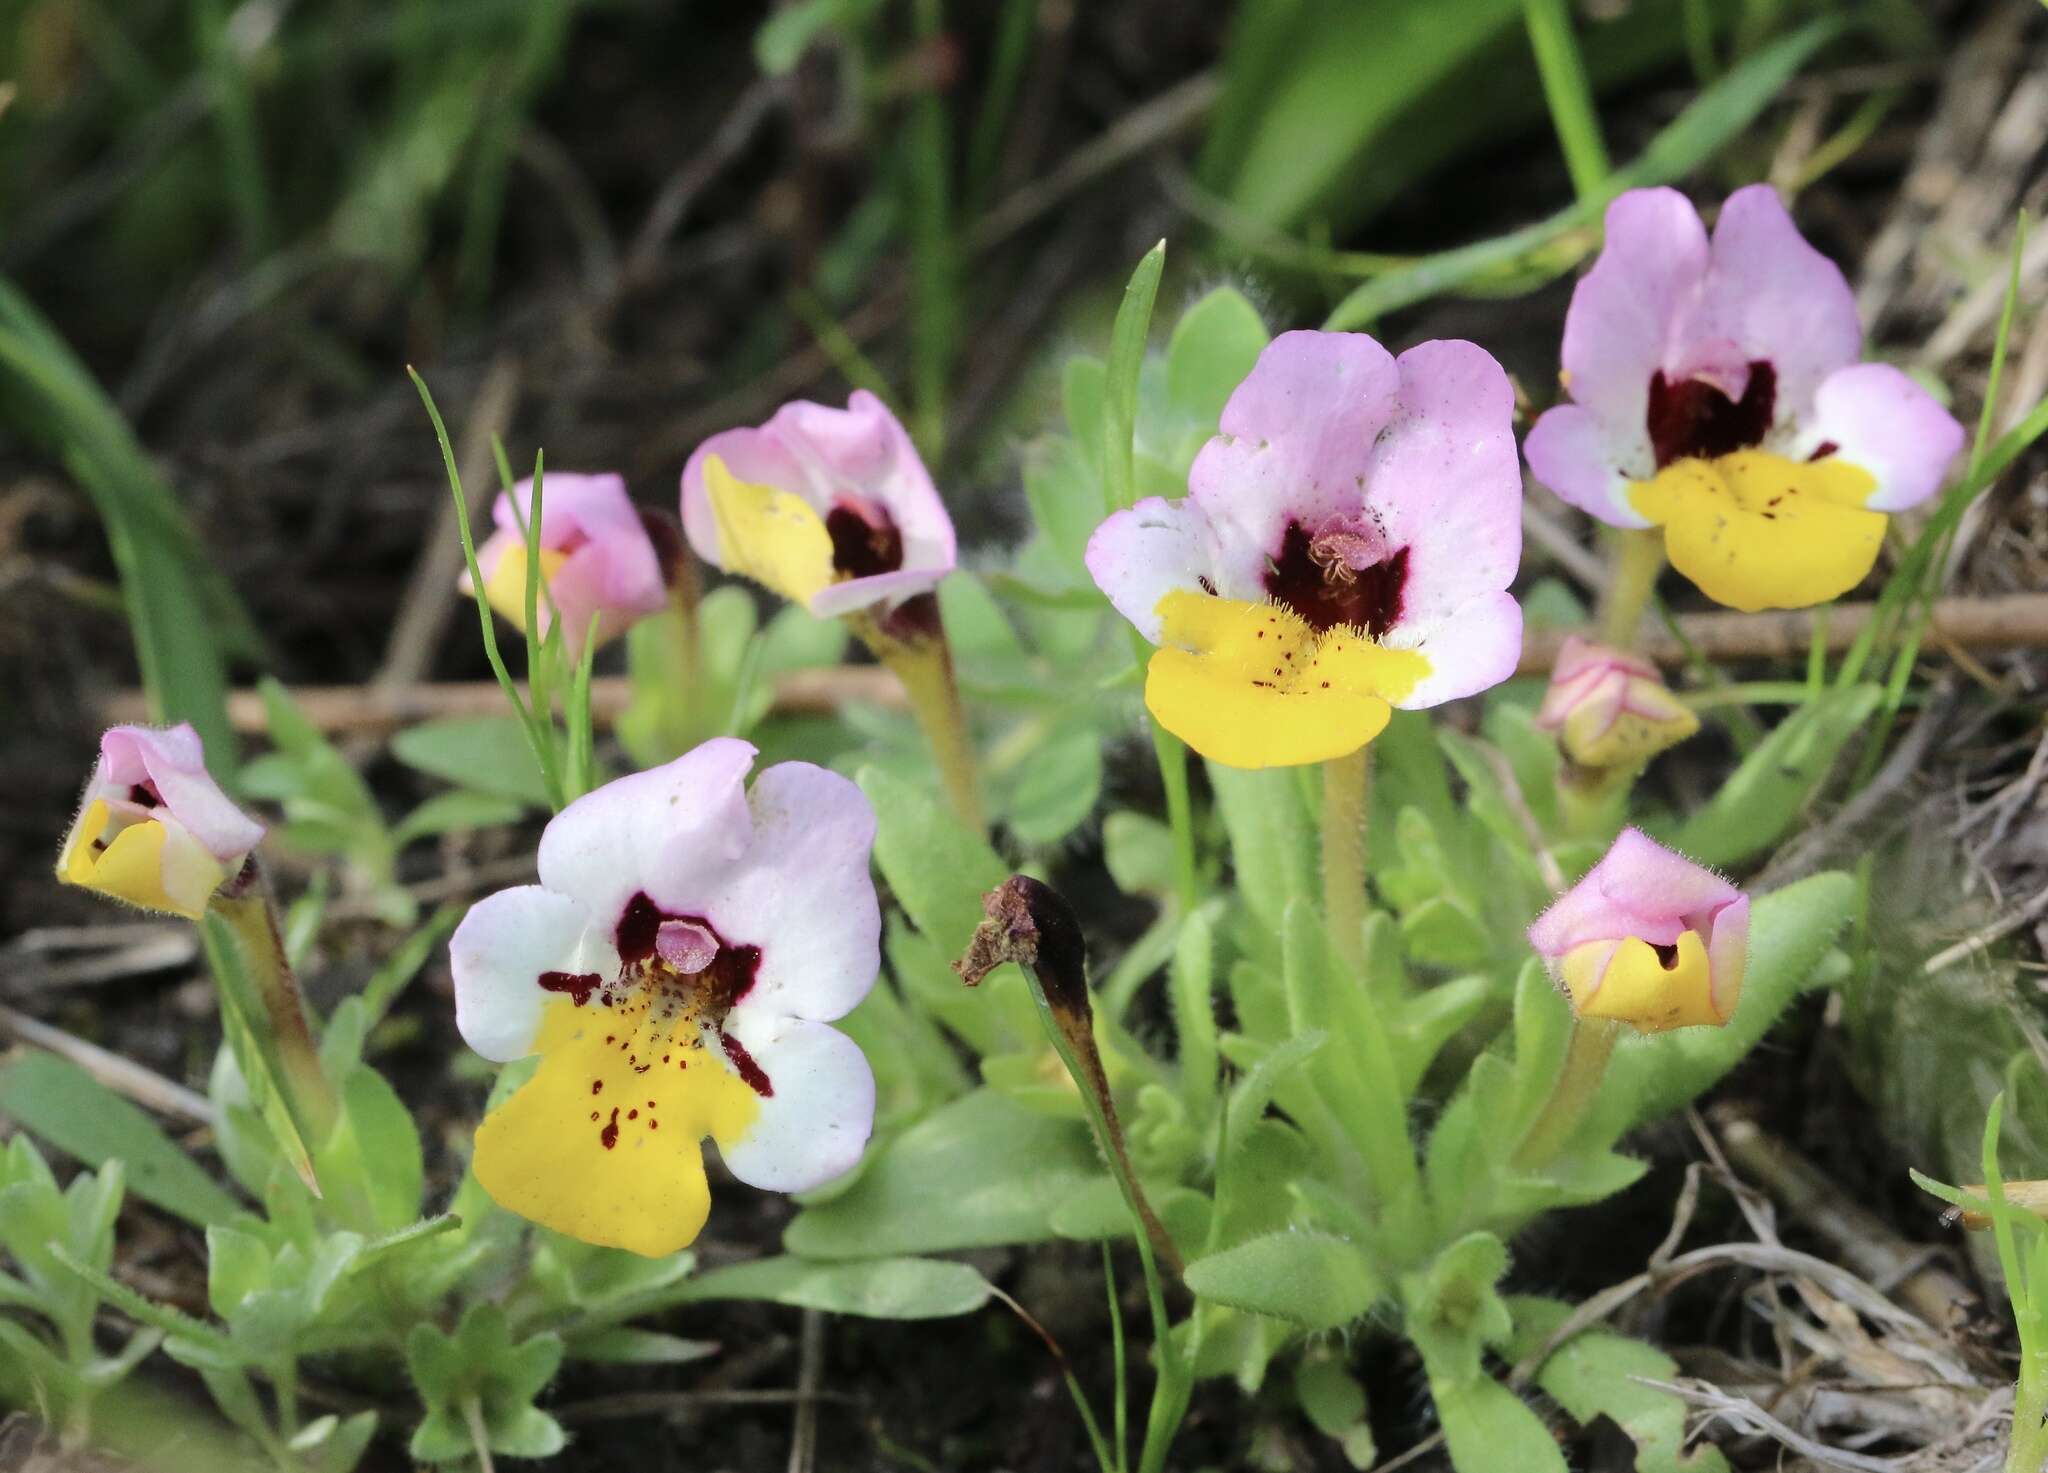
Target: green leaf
pixel 490 754
pixel 1057 786
pixel 786 35
pixel 481 1365
pixel 1491 1430
pixel 1790 933
pixel 1714 118
pixel 1600 1374
pixel 182 613
pixel 455 811
pixel 1137 849
pixel 377 1144
pixel 1120 394
pixel 1334 1401
pixel 1765 796
pixel 1271 844
pixel 335 1444
pixel 1213 347
pixel 1453 1309
pixel 76 1113
pixel 875 1288
pixel 621 1345
pixel 1308 1279
pixel 937 868
pixel 979 1172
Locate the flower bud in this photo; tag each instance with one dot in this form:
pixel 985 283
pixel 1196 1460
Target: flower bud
pixel 1611 709
pixel 1647 938
pixel 600 559
pixel 154 829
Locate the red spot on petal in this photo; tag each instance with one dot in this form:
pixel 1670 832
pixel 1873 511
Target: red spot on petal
pixel 610 1134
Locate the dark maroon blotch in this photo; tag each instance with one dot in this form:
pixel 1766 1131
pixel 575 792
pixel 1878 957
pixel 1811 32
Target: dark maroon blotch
pixel 1369 598
pixel 578 985
pixel 1693 418
pixel 860 548
pixel 743 1064
pixel 609 1136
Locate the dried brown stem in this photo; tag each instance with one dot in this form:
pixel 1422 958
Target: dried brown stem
pixel 2011 622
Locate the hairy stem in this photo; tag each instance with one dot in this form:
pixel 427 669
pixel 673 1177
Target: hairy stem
pixel 1571 1098
pixel 1638 559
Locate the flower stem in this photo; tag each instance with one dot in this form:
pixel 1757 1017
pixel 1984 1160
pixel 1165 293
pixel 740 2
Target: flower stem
pixel 264 1014
pixel 1571 1098
pixel 1347 792
pixel 1638 559
pixel 912 643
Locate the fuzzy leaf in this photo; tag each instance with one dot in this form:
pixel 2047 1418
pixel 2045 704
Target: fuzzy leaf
pixel 1598 1374
pixel 875 1288
pixel 1308 1279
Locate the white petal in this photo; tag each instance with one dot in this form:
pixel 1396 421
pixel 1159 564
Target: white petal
pixel 498 955
pixel 804 894
pixel 664 832
pixel 1147 551
pixel 815 1123
pixel 1469 650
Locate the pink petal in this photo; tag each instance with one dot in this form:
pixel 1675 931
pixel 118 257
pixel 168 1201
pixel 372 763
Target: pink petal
pixel 1774 298
pixel 667 833
pixel 175 762
pixel 1639 889
pixel 1573 453
pixel 506 943
pixel 1878 418
pixel 815 1123
pixel 1616 335
pixel 1296 445
pixel 804 893
pixel 1728 954
pixel 1444 482
pixel 821 454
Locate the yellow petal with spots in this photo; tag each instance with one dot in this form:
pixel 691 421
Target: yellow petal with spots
pixel 769 535
pixel 130 865
pixel 1758 531
pixel 604 1143
pixel 1629 982
pixel 1253 685
pixel 505 584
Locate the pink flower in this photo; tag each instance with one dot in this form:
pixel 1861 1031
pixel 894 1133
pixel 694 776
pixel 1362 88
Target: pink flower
pixel 831 508
pixel 1717 391
pixel 1610 708
pixel 1346 546
pixel 676 969
pixel 153 828
pixel 598 558
pixel 1648 938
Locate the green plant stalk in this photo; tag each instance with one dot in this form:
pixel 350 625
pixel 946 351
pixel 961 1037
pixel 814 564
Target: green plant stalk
pixel 260 992
pixel 924 664
pixel 1347 793
pixel 1631 579
pixel 1032 925
pixel 1578 1084
pixel 1569 94
pixel 539 739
